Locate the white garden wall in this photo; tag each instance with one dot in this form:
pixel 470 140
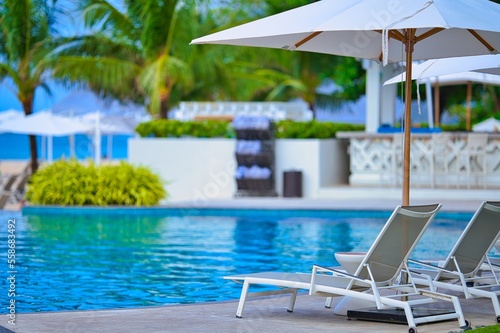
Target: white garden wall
pixel 203 169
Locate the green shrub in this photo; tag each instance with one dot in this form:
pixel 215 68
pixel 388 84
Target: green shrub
pixel 70 183
pixel 289 129
pixel 285 129
pixel 165 128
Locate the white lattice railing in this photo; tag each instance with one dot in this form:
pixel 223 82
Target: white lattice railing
pixel 376 159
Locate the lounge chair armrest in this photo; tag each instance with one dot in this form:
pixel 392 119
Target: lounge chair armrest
pixel 342 274
pixel 425 264
pixel 317 268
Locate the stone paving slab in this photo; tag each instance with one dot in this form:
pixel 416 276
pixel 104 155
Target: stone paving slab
pixel 261 315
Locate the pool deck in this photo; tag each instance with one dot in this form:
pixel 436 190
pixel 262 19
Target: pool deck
pixel 450 203
pixel 263 314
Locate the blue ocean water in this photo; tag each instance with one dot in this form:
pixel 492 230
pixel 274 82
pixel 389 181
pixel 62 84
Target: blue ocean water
pixel 16 147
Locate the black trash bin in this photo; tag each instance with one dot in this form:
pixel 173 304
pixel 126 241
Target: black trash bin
pixel 292 184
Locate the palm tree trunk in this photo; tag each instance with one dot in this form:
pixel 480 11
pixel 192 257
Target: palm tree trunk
pixel 164 109
pixel 496 100
pixel 311 107
pixel 28 109
pixel 33 154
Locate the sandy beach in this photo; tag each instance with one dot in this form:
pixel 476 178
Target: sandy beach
pixel 12 167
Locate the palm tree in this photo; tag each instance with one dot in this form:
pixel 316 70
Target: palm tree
pixel 27 27
pixel 140 53
pixel 267 74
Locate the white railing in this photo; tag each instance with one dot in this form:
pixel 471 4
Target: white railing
pixel 445 160
pixel 228 110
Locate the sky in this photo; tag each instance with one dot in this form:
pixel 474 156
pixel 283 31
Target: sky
pixel 8 99
pixel 68 26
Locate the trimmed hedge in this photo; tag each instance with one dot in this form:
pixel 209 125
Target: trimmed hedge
pixel 285 129
pixel 70 183
pixel 289 129
pixel 169 128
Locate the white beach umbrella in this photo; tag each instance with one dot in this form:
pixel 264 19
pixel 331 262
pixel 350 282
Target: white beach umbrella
pixel 10 114
pixel 381 30
pixel 45 124
pixel 486 64
pixel 106 124
pixel 456 70
pixel 464 78
pixel 488 125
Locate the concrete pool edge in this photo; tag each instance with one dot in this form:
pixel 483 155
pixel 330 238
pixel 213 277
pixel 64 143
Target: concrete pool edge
pixel 263 207
pixel 262 315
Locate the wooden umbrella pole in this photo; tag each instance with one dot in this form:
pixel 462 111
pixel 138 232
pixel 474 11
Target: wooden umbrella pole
pixel 469 106
pixel 409 43
pixel 436 104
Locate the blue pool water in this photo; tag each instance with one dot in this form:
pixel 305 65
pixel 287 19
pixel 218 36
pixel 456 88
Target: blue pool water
pixel 97 261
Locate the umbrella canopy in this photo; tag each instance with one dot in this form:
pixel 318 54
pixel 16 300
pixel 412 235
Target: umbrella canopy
pixel 357 28
pixel 10 114
pixel 44 123
pixel 488 125
pixel 486 64
pixel 109 124
pixel 388 31
pixel 446 72
pixel 464 78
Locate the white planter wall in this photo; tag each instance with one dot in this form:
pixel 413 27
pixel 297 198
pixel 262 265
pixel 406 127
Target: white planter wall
pixel 322 162
pixel 203 169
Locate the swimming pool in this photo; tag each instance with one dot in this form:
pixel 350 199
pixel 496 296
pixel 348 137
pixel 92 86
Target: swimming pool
pixel 80 261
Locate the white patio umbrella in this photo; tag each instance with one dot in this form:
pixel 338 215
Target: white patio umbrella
pixel 456 70
pixel 108 125
pixel 381 30
pixel 488 125
pixel 463 78
pixel 487 64
pixel 10 114
pixel 45 124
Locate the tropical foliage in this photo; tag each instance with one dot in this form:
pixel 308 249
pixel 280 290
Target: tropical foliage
pixel 284 129
pixel 73 183
pixel 27 28
pixel 143 53
pixel 163 128
pixel 287 129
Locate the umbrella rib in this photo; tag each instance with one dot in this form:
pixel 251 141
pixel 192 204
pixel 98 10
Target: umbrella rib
pixel 308 38
pixel 481 39
pixel 395 34
pixel 428 34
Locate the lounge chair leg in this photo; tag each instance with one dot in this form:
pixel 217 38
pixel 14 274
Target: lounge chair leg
pixel 496 306
pixel 409 316
pixel 243 297
pixel 487 294
pixel 458 309
pixel 291 303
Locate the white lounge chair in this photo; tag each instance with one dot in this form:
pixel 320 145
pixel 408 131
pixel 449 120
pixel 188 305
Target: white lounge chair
pixel 377 274
pixel 467 268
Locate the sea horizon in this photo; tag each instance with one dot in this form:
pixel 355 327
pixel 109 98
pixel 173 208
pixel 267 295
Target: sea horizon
pixel 16 147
